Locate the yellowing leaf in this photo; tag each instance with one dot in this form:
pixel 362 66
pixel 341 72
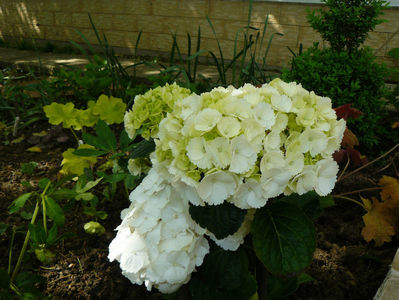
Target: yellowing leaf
pixel 41 133
pixel 110 109
pixel 378 223
pixel 18 140
pixel 390 190
pixel 87 117
pixel 74 164
pixel 34 149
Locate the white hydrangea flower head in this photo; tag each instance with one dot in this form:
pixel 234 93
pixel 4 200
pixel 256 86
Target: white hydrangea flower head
pixel 243 146
pixel 155 243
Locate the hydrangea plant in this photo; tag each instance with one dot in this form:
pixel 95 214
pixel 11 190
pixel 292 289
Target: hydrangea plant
pixel 227 163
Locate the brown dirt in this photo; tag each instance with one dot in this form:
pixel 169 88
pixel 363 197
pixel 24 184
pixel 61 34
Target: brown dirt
pixel 344 265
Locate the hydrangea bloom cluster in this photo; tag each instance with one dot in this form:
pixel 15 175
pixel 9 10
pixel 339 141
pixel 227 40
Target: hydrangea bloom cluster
pixel 156 243
pixel 243 146
pixel 149 109
pixel 251 144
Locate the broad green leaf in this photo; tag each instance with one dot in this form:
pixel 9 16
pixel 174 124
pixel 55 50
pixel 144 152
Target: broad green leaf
pixel 84 196
pixel 92 212
pixel 52 235
pixel 142 149
pixel 116 155
pixel 74 164
pixel 326 201
pixel 278 288
pixel 18 203
pixel 37 233
pixel 63 194
pixel 124 140
pixel 304 277
pixel 54 211
pixel 222 220
pixel 43 183
pixel 45 256
pixel 25 281
pixel 105 134
pixel 89 152
pixel 27 215
pixel 283 237
pixel 94 228
pixel 110 109
pixel 4 279
pixel 131 181
pixel 89 185
pixel 309 203
pixel 223 275
pixel 93 141
pixel 114 178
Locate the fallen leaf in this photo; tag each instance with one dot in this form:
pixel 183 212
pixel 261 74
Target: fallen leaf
pixel 41 133
pixel 18 140
pixel 34 149
pixel 378 222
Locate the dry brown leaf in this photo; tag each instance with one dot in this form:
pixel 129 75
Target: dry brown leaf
pixel 390 190
pixel 349 139
pixel 378 222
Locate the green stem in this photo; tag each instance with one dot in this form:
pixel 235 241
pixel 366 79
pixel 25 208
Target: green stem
pixel 11 245
pixel 44 197
pixel 25 245
pixel 350 199
pixel 74 134
pixel 44 214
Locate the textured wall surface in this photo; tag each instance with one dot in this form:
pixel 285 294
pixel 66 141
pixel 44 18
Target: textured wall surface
pixel 121 21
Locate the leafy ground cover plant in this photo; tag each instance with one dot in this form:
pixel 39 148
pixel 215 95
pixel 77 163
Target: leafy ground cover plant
pixel 221 163
pixel 345 72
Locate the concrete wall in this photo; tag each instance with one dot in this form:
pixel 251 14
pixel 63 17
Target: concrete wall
pixel 121 20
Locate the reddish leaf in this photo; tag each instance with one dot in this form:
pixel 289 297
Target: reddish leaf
pixel 349 140
pixel 339 156
pixel 395 125
pixel 356 158
pixel 346 111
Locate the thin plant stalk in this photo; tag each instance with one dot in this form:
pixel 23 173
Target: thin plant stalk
pixel 10 252
pixel 25 245
pixel 368 164
pixel 359 191
pixel 351 200
pixel 27 236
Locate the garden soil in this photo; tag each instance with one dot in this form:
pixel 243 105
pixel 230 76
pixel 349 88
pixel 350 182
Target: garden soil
pixel 344 265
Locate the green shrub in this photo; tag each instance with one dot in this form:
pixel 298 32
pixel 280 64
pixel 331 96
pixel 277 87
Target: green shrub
pixel 346 23
pixel 346 72
pixel 345 78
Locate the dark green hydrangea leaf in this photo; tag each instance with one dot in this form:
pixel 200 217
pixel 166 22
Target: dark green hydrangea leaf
pixel 222 220
pixel 223 275
pixel 283 237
